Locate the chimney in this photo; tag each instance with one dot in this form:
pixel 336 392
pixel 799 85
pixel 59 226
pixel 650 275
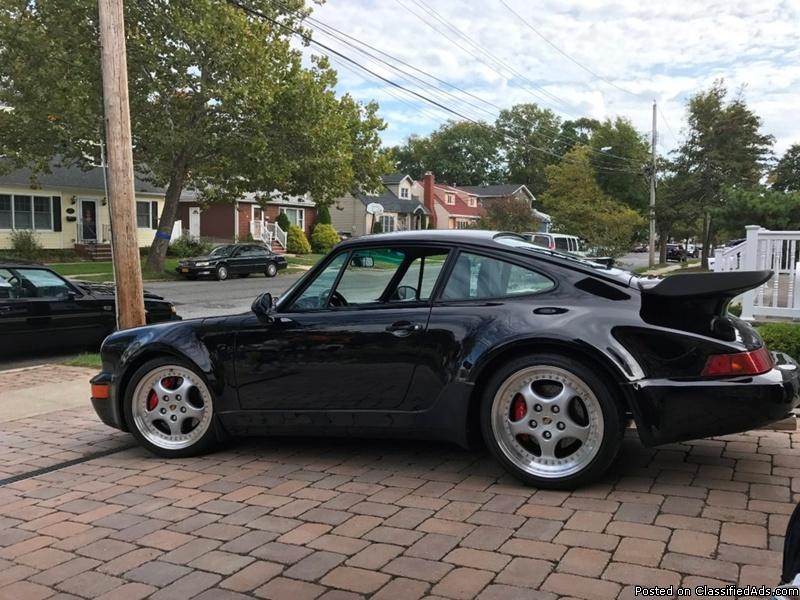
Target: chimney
pixel 427 197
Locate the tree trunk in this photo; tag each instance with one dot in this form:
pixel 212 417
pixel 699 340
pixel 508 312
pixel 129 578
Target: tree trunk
pixel 158 249
pixel 662 249
pixel 706 239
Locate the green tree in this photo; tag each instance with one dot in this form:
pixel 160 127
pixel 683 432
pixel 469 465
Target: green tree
pixel 622 180
pixel 220 101
pixel 769 208
pixel 579 206
pixel 574 132
pixel 458 153
pixel 786 175
pixel 529 140
pixel 296 241
pixel 323 215
pixel 677 214
pixel 723 149
pixel 324 238
pixel 508 214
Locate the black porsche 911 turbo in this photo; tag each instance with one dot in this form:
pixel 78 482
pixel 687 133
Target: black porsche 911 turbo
pixel 457 335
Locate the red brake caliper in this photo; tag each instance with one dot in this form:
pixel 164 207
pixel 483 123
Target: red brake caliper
pixel 518 408
pixel 152 400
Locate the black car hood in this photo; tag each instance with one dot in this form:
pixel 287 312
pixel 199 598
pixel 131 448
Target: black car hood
pixel 107 289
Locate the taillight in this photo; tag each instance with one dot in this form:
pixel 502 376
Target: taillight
pixel 740 363
pixel 551 245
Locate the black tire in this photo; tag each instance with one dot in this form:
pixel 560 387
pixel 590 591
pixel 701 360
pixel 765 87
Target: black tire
pixel 244 275
pixel 202 445
pixel 222 273
pixel 611 410
pixel 271 270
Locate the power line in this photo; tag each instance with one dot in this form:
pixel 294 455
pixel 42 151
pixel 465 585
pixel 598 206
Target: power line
pixel 260 15
pixel 449 97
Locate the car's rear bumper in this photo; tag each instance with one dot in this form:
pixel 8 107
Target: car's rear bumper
pixel 667 410
pixel 108 409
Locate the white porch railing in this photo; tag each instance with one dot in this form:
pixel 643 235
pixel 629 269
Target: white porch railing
pixel 260 232
pixel 278 234
pixel 778 251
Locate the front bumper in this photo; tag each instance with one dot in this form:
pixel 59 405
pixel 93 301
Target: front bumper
pixel 108 409
pixel 668 410
pixel 193 271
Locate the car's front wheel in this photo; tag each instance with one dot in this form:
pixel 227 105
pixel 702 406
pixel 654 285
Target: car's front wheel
pixel 272 270
pixel 551 421
pixel 222 273
pixel 169 409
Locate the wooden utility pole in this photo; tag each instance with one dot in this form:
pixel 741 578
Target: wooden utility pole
pixel 121 195
pixel 652 244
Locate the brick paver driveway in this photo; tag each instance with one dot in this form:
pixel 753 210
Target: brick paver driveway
pixel 295 519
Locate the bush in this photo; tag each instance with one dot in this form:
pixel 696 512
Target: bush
pixel 377 227
pixel 186 246
pixel 735 310
pixel 324 238
pixel 283 221
pixel 323 215
pixel 25 245
pixel 296 241
pixel 782 337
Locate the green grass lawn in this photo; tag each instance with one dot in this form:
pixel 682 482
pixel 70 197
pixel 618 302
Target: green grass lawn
pixel 308 260
pixel 86 359
pixel 102 270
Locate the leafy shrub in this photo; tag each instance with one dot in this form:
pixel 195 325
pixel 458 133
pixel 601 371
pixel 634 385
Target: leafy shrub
pixel 296 241
pixel 323 215
pixel 186 246
pixel 782 337
pixel 735 310
pixel 25 245
pixel 283 221
pixel 377 227
pixel 324 238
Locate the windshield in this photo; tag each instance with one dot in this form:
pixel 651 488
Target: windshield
pixel 221 251
pixel 519 242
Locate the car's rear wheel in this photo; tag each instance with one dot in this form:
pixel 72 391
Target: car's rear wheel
pixel 551 421
pixel 272 270
pixel 222 273
pixel 169 409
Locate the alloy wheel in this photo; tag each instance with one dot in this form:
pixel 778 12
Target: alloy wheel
pixel 547 421
pixel 172 407
pixel 222 272
pixel 271 270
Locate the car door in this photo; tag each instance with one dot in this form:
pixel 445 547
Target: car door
pixel 256 259
pixel 13 315
pixel 349 339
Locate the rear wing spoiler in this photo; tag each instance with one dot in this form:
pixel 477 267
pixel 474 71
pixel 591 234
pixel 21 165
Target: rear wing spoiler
pixel 727 284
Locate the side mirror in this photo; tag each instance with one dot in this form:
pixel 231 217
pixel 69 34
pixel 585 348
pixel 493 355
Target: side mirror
pixel 263 305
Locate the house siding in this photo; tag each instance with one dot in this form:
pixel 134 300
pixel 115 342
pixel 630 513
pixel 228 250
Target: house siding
pixel 349 216
pixel 68 236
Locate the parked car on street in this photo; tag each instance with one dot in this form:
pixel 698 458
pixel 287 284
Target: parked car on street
pixel 233 259
pixel 459 336
pixel 40 310
pixel 567 243
pixel 675 252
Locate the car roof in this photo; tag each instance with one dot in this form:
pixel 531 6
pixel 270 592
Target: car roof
pixel 451 236
pixel 15 264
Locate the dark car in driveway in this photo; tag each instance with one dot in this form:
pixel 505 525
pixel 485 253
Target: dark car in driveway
pixel 41 311
pixel 460 336
pixel 233 259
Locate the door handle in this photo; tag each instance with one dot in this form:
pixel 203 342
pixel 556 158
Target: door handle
pixel 549 310
pixel 403 328
pixel 5 309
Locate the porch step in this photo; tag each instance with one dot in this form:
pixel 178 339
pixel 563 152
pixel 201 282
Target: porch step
pixel 277 248
pixel 94 252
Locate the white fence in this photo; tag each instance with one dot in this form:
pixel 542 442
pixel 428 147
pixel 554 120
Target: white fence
pixel 777 251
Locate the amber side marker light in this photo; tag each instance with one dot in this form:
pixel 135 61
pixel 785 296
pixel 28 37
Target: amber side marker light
pixel 100 391
pixel 741 363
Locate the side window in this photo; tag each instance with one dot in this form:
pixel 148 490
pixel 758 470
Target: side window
pixel 39 283
pixel 368 275
pixel 317 293
pixel 562 244
pixel 9 285
pixel 476 277
pixel 541 240
pixel 420 277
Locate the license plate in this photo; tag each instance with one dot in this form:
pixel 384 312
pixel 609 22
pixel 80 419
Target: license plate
pixel 184 270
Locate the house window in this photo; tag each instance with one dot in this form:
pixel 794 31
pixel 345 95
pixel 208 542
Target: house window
pixel 388 223
pixel 450 199
pixel 473 202
pixel 404 192
pixel 143 216
pixel 297 216
pixel 26 212
pixel 463 223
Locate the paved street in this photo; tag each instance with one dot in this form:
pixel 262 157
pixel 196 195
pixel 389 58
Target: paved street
pixel 205 297
pixel 315 518
pixel 633 260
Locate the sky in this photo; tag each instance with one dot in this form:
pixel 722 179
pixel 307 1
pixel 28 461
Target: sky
pixel 629 53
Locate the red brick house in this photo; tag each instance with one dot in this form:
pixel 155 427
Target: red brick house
pixel 450 207
pixel 248 216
